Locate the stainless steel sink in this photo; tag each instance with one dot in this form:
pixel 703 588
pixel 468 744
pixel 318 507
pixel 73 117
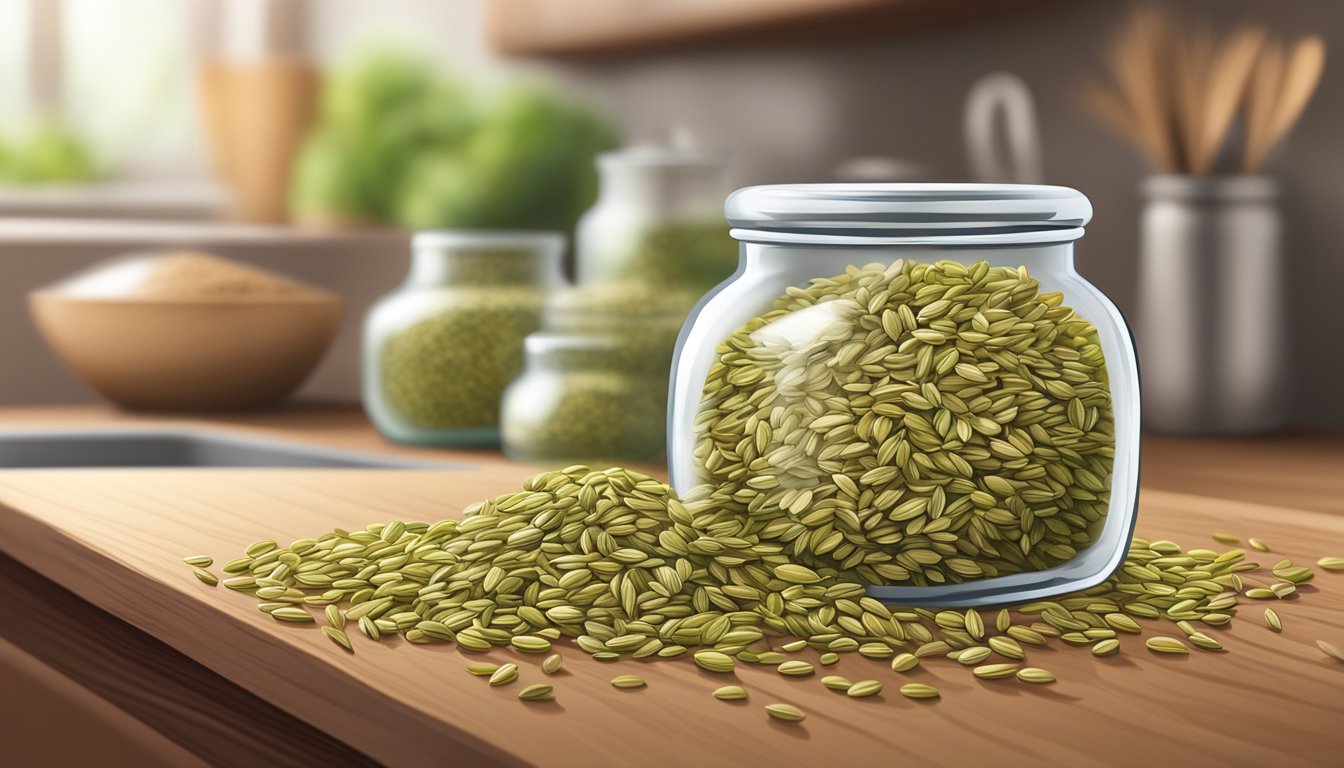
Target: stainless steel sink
pixel 179 447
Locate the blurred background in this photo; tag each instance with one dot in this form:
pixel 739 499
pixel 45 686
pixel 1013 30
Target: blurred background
pixel 263 131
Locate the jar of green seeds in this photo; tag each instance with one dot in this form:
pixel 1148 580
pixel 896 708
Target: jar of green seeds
pixel 658 218
pixel 594 388
pixel 440 349
pixel 913 384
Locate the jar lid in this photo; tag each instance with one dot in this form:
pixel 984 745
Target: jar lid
pixel 907 213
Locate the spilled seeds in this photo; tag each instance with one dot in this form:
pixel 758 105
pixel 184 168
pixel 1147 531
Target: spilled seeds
pixel 612 562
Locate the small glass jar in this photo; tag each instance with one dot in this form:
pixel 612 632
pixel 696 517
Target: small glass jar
pixel 595 385
pixel 440 349
pixel 658 218
pixel 585 398
pixel 911 383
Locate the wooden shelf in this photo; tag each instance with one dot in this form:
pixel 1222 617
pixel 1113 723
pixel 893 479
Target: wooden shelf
pixel 624 27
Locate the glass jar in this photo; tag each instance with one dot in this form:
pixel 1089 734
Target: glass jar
pixel 911 383
pixel 595 384
pixel 440 349
pixel 585 398
pixel 658 218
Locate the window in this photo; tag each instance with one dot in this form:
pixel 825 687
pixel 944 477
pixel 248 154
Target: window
pixel 121 75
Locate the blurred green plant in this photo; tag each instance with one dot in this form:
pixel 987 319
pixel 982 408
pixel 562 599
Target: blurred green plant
pixel 398 143
pixel 48 153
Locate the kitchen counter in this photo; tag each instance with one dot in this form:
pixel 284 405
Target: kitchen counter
pixel 91 562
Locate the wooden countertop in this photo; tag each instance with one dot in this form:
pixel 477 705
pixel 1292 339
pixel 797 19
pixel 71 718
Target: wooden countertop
pixel 94 559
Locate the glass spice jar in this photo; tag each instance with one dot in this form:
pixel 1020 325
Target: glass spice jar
pixel 594 388
pixel 912 383
pixel 579 401
pixel 658 218
pixel 440 349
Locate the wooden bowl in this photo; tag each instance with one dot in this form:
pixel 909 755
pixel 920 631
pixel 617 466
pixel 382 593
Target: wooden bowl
pixel 202 354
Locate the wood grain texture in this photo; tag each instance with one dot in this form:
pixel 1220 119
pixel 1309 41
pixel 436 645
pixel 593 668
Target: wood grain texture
pixel 1298 470
pixel 169 710
pixel 115 538
pixel 40 707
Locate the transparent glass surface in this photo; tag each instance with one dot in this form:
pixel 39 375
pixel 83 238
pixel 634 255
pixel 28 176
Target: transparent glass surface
pixel 589 398
pixel 802 364
pixel 659 219
pixel 440 350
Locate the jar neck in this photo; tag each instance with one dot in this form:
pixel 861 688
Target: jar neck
pixel 617 352
pixel 485 266
pixel 674 192
pixel 764 259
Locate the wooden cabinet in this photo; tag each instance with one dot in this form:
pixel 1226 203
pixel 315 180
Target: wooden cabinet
pixel 622 27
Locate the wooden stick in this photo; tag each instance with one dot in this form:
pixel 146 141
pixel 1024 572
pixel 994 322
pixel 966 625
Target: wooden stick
pixel 1261 97
pixel 1302 74
pixel 1191 59
pixel 1225 90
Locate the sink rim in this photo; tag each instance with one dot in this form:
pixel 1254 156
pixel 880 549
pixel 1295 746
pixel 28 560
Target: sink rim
pixel 354 459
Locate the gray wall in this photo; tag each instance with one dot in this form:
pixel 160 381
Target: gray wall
pixel 790 113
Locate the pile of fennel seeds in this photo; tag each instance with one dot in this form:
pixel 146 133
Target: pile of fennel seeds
pixel 613 561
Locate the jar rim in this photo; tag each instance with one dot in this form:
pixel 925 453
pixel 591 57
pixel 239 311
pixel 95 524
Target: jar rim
pixel 546 342
pixel 924 213
pixel 490 238
pixel 657 156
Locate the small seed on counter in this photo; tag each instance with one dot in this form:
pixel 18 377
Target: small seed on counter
pixel 552 664
pixel 864 688
pixel 628 681
pixel 786 712
pixel 292 614
pixel 1035 675
pixel 482 670
pixel 260 548
pixel 200 561
pixel 206 577
pixel 836 682
pixel 1166 645
pixel 730 693
pixel 1201 640
pixel 505 674
pixel 537 692
pixel 1273 620
pixel 996 671
pixel 1106 647
pixel 795 669
pixel 919 691
pixel 904 662
pixel 338 637
pixel 713 661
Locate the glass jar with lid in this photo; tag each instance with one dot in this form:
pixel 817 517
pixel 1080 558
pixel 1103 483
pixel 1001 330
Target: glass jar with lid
pixel 595 384
pixel 441 348
pixel 658 218
pixel 911 384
